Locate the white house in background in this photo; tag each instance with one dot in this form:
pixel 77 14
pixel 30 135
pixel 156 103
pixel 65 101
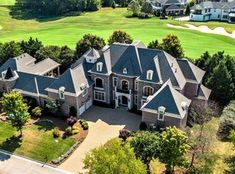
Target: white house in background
pixel 220 11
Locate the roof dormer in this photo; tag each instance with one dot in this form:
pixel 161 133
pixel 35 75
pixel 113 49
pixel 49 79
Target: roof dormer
pixel 124 71
pixel 99 66
pixel 149 75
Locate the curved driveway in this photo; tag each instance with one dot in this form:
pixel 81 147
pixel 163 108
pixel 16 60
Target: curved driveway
pixel 104 124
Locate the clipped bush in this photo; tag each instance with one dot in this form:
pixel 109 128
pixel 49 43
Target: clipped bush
pixel 143 126
pixel 37 111
pixel 124 134
pixel 56 132
pixel 69 131
pixel 84 124
pixel 71 121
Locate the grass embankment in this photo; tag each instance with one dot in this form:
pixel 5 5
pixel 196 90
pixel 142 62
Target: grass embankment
pixel 68 30
pixel 37 143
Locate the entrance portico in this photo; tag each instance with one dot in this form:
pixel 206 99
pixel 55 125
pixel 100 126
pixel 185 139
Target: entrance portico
pixel 123 98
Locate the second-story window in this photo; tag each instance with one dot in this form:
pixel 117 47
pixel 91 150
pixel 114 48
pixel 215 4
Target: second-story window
pixel 99 83
pixel 115 81
pixel 61 92
pixel 125 85
pixel 136 85
pixel 148 91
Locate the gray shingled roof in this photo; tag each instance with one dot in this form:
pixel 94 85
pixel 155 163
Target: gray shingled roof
pixel 169 98
pixel 72 79
pixel 174 7
pixel 190 71
pixel 203 92
pixel 213 5
pixel 26 82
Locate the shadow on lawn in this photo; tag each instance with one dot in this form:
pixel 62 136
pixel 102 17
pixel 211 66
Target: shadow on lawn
pixel 231 164
pixel 45 125
pixel 11 144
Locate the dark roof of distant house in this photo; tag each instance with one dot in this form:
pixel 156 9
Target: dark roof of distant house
pixel 172 2
pixel 174 7
pixel 169 98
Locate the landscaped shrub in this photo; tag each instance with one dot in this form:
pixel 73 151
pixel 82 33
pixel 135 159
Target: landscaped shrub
pixel 69 131
pixel 56 132
pixel 75 130
pixel 84 124
pixel 143 126
pixel 73 111
pixel 37 111
pixel 71 121
pixel 124 134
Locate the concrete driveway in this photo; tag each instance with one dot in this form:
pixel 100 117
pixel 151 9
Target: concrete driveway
pixel 13 164
pixel 104 124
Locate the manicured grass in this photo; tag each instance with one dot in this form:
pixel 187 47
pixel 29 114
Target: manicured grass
pixel 68 30
pixel 7 2
pixel 38 142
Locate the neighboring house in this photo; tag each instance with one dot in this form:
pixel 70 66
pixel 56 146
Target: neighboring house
pixel 173 7
pixel 219 11
pixel 119 75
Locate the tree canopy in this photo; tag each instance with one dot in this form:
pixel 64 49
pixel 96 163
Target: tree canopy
pixel 114 157
pixel 120 37
pixel 134 7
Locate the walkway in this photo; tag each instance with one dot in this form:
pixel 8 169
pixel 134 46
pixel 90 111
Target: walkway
pixel 13 164
pixel 104 124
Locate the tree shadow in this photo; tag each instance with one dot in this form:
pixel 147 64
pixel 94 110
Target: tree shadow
pixel 231 165
pixel 45 125
pixel 11 144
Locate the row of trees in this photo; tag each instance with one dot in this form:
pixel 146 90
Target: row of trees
pixel 220 75
pixel 170 147
pixel 45 8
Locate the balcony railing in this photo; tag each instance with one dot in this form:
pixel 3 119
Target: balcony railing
pixel 123 91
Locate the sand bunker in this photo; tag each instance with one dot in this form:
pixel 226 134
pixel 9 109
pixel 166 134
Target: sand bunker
pixel 205 29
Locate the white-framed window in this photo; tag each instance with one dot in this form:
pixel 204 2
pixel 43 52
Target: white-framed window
pixel 149 75
pixel 115 81
pixel 136 85
pixel 61 92
pixel 125 85
pixel 99 82
pixel 161 113
pixel 136 99
pixel 124 71
pixel 99 96
pixel 147 91
pixel 99 66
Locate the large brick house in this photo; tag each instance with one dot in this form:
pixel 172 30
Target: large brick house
pixel 120 75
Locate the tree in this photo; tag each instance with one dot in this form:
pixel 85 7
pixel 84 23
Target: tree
pixel 171 44
pixel 146 145
pixel 134 7
pixel 227 121
pixel 147 7
pixel 88 41
pixel 173 148
pixel 113 5
pixel 31 46
pixel 114 157
pixel 221 82
pixel 50 51
pixel 9 50
pixel 53 106
pixel 153 44
pixel 120 37
pixel 187 11
pixel 107 3
pixel 17 111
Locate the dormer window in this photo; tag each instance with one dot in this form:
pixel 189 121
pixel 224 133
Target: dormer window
pixel 61 92
pixel 83 88
pixel 124 71
pixel 149 75
pixel 99 66
pixel 161 113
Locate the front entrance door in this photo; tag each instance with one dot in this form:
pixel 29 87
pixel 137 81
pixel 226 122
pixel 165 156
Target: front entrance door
pixel 124 101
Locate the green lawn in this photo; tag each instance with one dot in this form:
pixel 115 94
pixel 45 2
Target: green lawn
pixel 68 30
pixel 7 2
pixel 37 143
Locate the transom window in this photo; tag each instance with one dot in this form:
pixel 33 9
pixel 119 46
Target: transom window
pixel 99 83
pixel 125 85
pixel 148 91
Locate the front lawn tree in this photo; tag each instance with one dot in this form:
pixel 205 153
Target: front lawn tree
pixel 120 37
pixel 147 7
pixel 134 7
pixel 153 44
pixel 17 111
pixel 173 148
pixel 88 41
pixel 171 44
pixel 114 157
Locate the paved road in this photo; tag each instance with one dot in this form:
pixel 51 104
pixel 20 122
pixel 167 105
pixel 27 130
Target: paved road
pixel 12 164
pixel 104 124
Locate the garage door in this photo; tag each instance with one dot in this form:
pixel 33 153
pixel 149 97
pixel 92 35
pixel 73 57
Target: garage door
pixel 82 109
pixel 88 104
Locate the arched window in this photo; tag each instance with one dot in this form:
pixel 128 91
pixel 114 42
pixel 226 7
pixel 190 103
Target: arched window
pixel 148 91
pixel 99 83
pixel 125 85
pixel 149 75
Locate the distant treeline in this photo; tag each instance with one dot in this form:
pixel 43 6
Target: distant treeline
pixel 53 7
